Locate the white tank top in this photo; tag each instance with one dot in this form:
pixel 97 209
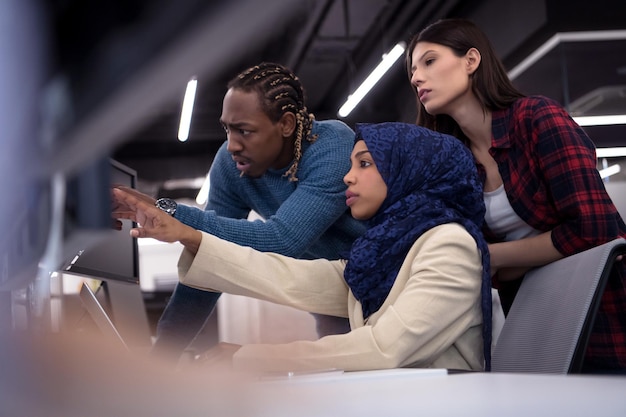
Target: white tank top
pixel 501 218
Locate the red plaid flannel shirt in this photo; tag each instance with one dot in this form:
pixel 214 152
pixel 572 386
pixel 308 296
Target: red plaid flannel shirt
pixel 548 166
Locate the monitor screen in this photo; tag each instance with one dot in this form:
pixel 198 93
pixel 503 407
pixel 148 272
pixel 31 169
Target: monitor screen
pixel 115 256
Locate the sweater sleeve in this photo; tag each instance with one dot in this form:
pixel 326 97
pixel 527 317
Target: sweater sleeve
pixel 315 203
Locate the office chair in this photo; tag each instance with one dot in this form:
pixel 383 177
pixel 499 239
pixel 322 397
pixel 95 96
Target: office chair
pixel 548 326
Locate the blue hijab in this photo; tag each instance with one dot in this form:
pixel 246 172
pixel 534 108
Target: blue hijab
pixel 431 180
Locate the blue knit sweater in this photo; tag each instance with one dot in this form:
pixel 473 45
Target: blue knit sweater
pixel 304 219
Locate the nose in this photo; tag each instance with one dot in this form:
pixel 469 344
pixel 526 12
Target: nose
pixel 233 145
pixel 416 79
pixel 348 179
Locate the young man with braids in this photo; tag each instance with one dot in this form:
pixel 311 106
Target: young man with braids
pixel 287 167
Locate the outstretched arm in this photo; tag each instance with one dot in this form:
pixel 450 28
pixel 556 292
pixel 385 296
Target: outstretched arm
pixel 433 305
pixel 153 222
pixel 296 214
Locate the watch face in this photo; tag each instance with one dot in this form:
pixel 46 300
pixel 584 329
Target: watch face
pixel 167 205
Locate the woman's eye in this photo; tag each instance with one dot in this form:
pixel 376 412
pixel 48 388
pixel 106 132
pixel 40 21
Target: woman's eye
pixel 429 61
pixel 365 164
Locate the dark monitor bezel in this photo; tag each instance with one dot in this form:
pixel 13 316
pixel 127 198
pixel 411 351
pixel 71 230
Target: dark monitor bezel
pixel 75 266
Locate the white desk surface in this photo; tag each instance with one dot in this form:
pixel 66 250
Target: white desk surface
pixel 414 392
pixel 97 382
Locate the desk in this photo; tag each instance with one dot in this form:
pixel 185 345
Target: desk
pixel 65 378
pixel 465 394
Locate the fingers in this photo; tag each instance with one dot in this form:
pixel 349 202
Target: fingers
pixel 130 215
pixel 130 202
pixel 130 207
pixel 127 204
pixel 123 188
pixel 116 224
pixel 153 222
pixel 136 194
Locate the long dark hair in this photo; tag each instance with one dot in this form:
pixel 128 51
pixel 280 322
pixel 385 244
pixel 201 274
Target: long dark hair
pixel 490 82
pixel 279 91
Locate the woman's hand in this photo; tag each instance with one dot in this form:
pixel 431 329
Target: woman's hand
pixel 154 223
pixel 220 356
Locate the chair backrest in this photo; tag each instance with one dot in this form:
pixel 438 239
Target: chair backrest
pixel 548 326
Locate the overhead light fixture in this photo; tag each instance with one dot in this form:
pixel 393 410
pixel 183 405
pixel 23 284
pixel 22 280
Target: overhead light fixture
pixel 185 115
pixel 563 37
pixel 607 172
pixel 604 120
pixel 388 60
pixel 610 152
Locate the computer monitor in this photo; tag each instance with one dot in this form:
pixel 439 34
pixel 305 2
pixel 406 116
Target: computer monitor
pixel 81 77
pixel 115 256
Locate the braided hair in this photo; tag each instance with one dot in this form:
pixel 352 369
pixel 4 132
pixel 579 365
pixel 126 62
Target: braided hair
pixel 279 91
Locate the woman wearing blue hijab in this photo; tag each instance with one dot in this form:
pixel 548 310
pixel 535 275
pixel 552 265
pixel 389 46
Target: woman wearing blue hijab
pixel 415 287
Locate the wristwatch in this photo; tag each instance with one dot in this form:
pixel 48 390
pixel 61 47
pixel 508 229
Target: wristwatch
pixel 167 205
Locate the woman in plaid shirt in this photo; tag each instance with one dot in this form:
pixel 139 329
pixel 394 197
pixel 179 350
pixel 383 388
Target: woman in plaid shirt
pixel 544 196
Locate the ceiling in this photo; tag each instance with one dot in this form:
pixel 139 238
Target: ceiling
pixel 332 45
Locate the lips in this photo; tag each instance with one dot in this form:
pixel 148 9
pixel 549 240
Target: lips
pixel 350 198
pixel 423 93
pixel 242 164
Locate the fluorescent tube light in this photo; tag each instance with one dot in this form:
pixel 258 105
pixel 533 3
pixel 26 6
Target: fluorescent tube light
pixel 610 152
pixel 616 119
pixel 185 115
pixel 557 38
pixel 388 60
pixel 607 172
